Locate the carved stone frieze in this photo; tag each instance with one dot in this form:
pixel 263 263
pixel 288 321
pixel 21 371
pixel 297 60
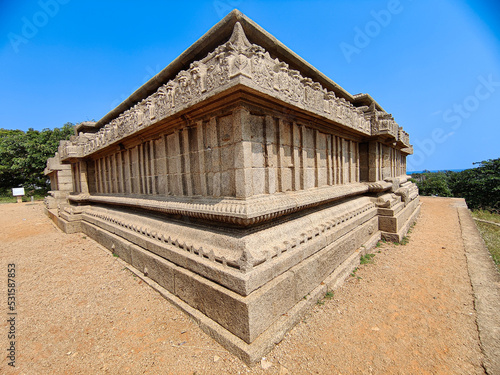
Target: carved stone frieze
pixel 245 261
pixel 240 183
pixel 235 211
pixel 383 124
pixel 70 149
pixel 403 137
pixel 236 58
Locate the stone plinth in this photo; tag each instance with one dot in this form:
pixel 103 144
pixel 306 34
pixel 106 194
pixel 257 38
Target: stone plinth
pixel 242 181
pixel 61 182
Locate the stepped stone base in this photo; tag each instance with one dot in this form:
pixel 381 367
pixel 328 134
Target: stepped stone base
pixel 247 310
pixel 240 181
pixel 394 228
pixel 252 353
pixel 65 225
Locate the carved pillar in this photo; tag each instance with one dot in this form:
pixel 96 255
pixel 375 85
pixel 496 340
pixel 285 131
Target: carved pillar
pixel 373 162
pixel 243 151
pixel 84 185
pixel 364 166
pixel 91 177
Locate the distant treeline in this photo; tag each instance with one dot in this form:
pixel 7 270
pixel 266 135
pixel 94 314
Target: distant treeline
pixel 23 157
pixel 479 186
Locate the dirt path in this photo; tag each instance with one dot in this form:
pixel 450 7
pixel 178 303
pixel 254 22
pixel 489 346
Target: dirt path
pixel 81 312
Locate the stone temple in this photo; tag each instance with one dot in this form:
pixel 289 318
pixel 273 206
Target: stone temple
pixel 241 180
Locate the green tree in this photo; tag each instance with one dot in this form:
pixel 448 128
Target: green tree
pixel 479 186
pixel 23 156
pixel 434 184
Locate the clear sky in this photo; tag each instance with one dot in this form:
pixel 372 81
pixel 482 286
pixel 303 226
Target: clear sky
pixel 433 64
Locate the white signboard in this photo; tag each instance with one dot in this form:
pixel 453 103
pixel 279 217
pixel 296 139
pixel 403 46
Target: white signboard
pixel 17 192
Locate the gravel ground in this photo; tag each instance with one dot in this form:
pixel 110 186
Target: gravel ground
pixel 80 311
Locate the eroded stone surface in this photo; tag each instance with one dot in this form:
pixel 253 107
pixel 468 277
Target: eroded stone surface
pixel 238 183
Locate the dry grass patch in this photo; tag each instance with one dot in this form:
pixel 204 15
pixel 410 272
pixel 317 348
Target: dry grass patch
pixel 490 233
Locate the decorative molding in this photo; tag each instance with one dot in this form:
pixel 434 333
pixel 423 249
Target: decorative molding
pixel 382 123
pixel 379 186
pixel 322 228
pixel 238 212
pixel 71 149
pixel 236 58
pixel 146 231
pixel 403 137
pixel 246 262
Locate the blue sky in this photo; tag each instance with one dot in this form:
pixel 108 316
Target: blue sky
pixel 435 65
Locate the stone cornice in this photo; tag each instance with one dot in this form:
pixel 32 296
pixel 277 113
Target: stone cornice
pixel 217 35
pixel 240 212
pixel 383 124
pixel 236 62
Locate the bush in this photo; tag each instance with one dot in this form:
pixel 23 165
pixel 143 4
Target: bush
pixel 480 187
pixel 23 157
pixel 434 184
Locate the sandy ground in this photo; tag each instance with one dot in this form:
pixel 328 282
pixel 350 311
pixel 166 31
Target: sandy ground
pixel 80 311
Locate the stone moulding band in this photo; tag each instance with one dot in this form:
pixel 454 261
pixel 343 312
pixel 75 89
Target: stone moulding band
pixel 241 180
pixel 239 212
pixel 240 271
pixel 237 61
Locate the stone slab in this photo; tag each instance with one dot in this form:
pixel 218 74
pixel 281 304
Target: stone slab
pixel 405 226
pixel 394 224
pixel 391 211
pixel 64 225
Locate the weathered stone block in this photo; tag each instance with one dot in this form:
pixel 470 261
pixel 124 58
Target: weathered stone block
pixel 223 306
pixel 259 181
pixel 268 303
pixel 395 223
pixel 153 266
pixel 233 181
pixel 286 179
pixel 258 160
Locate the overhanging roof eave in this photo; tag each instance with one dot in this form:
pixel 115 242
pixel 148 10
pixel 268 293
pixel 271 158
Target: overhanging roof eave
pixel 217 35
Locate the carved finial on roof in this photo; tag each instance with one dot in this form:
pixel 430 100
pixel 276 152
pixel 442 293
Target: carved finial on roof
pixel 238 38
